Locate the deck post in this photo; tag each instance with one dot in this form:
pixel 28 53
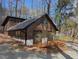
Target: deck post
pixel 25 37
pixel 3 29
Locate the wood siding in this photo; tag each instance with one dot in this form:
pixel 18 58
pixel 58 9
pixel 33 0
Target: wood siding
pixel 39 26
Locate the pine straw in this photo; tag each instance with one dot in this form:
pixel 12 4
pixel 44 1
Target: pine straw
pixel 43 48
pixel 36 47
pixel 4 39
pixel 61 44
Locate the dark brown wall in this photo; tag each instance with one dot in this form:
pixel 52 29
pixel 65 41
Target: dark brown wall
pixel 9 24
pixel 38 26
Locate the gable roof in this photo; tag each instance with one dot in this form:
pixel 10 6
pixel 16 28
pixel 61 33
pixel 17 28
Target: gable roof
pixel 27 23
pixel 11 18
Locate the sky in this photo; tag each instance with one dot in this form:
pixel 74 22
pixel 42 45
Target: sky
pixel 28 4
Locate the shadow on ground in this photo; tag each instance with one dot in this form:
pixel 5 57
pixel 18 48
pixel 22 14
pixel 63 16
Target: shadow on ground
pixel 6 53
pixel 64 54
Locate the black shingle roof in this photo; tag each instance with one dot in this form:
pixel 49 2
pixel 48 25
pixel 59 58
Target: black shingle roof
pixel 27 23
pixel 11 18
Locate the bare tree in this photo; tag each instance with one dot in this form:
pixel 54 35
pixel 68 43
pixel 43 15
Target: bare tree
pixel 10 6
pixel 48 6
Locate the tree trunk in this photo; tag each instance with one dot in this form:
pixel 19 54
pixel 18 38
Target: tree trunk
pixel 16 8
pixel 48 6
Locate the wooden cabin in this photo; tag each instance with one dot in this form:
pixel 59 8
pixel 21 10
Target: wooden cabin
pixel 35 30
pixel 10 21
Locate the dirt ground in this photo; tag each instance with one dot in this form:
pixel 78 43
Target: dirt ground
pixel 56 49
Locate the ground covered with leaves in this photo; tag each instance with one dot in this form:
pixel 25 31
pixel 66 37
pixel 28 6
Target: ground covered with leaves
pixel 53 50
